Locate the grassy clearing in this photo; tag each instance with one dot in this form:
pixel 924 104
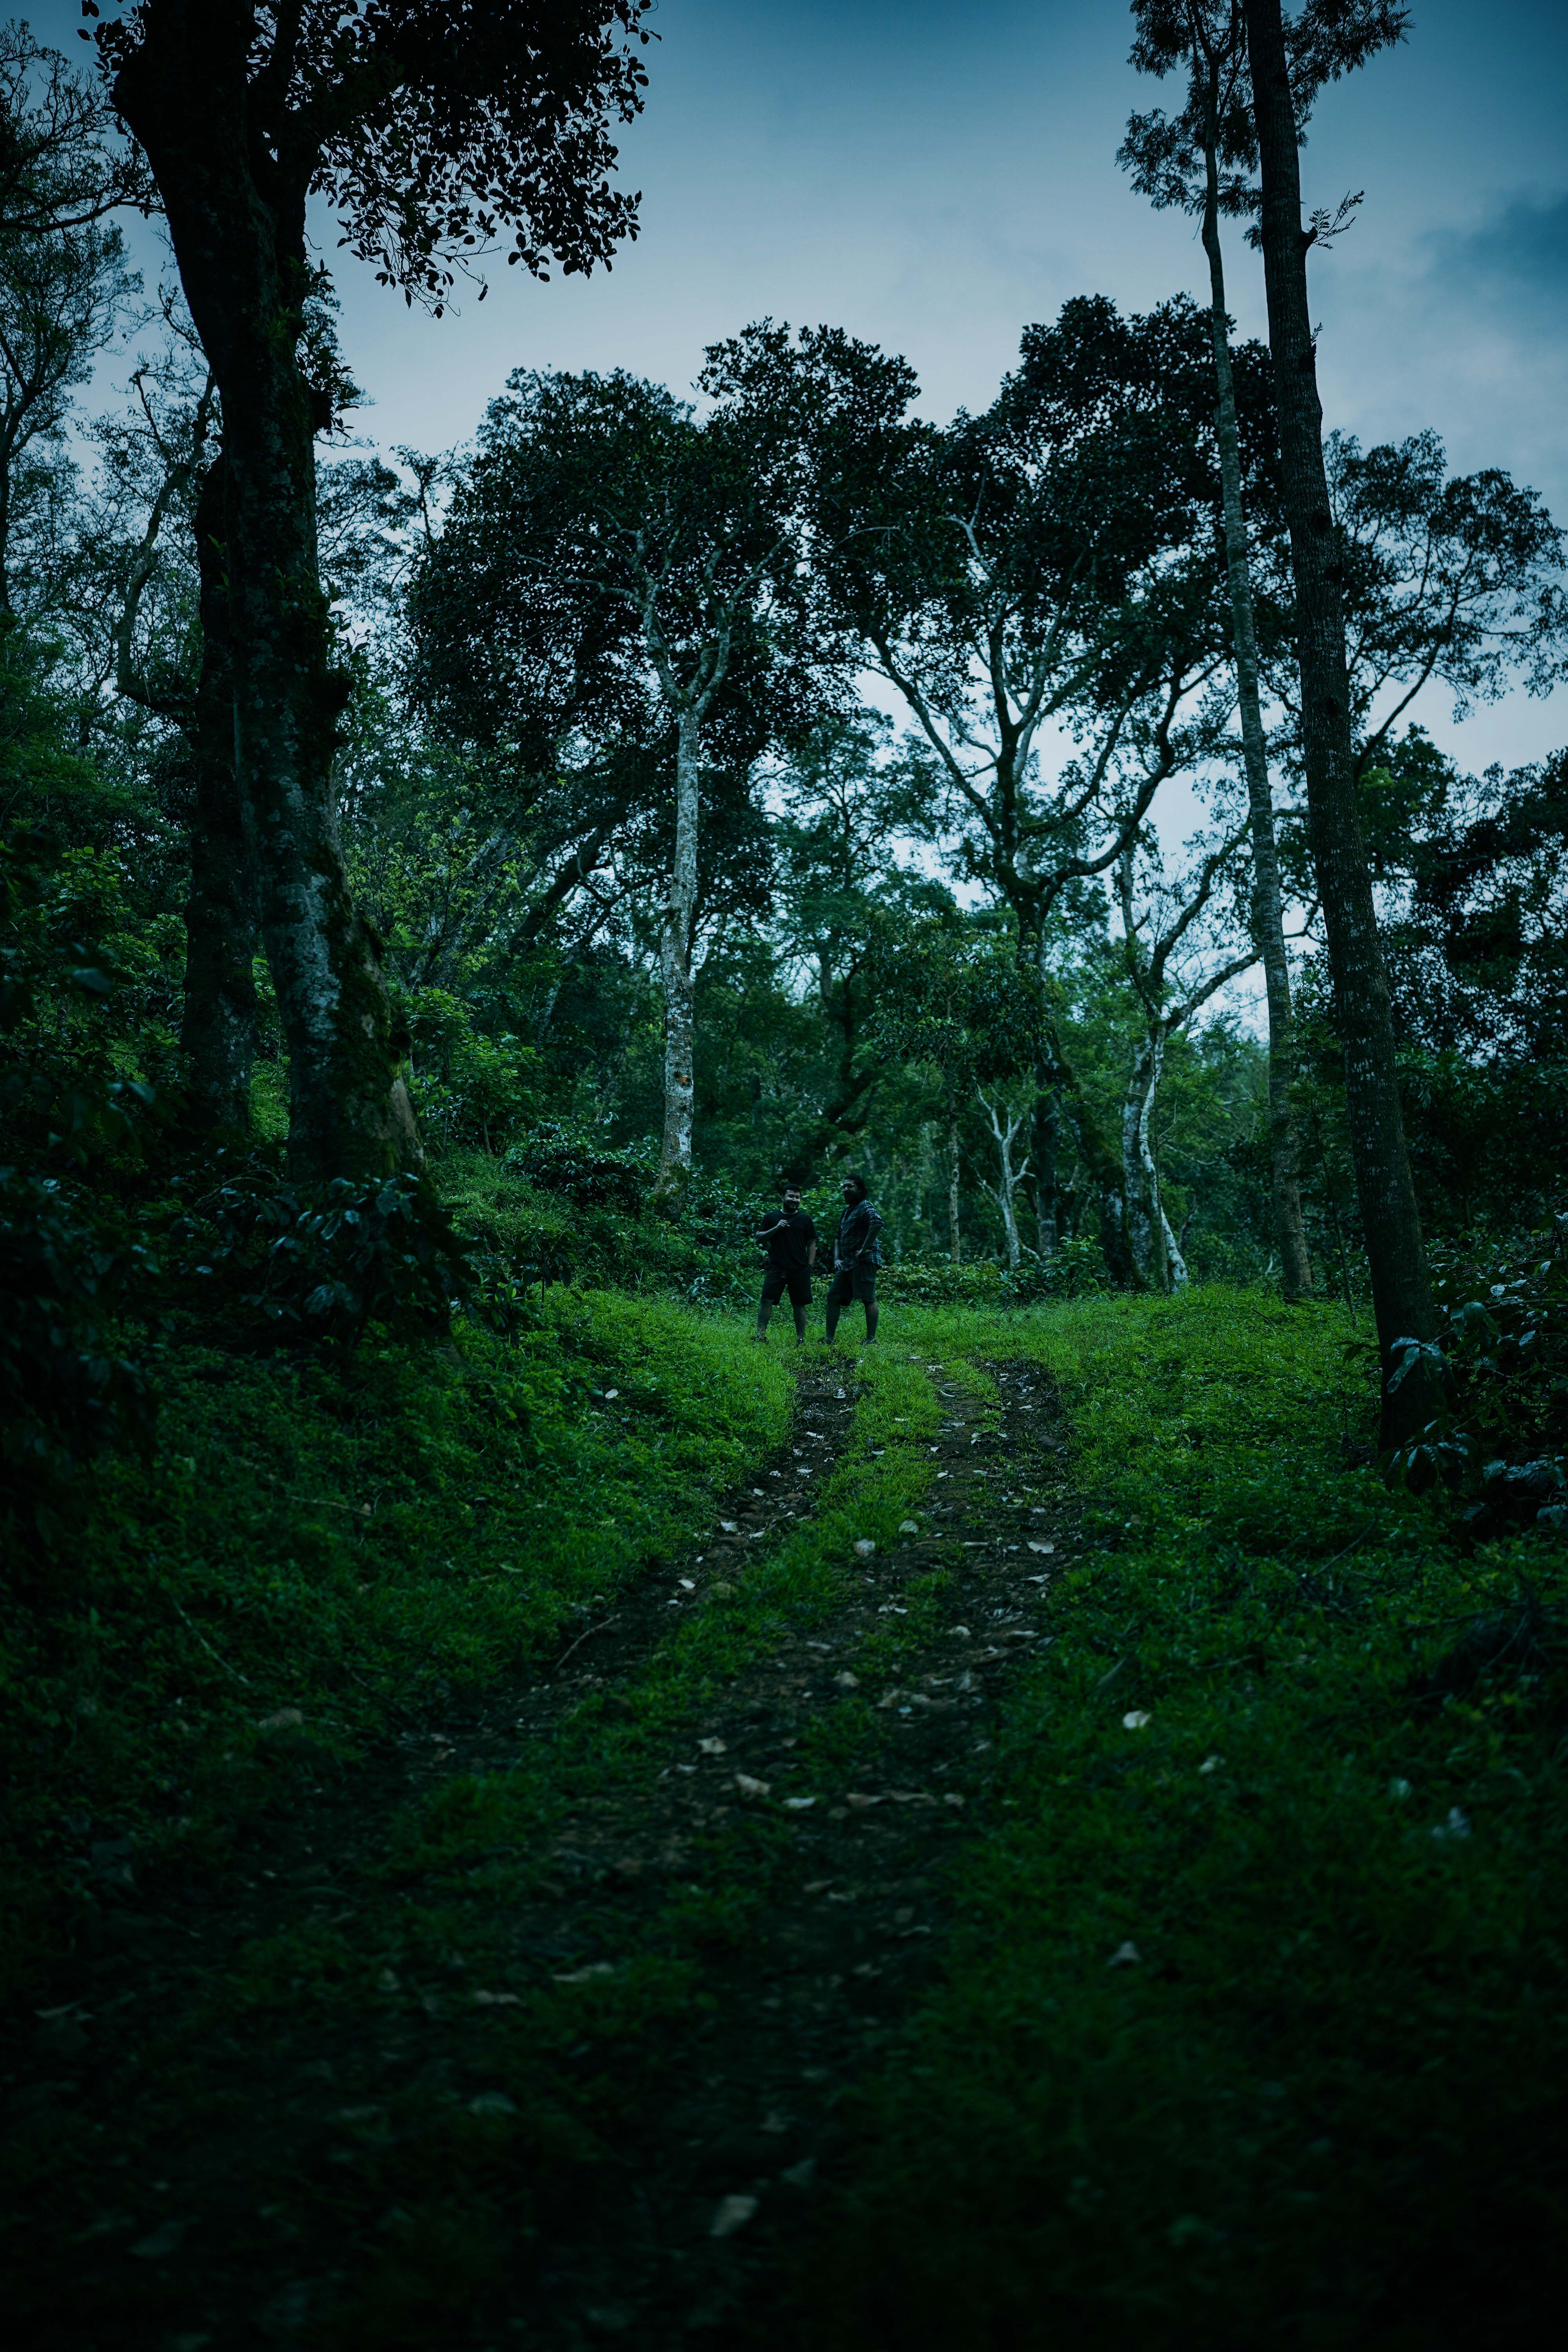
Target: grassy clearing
pixel 1322 2105
pixel 560 2070
pixel 354 1541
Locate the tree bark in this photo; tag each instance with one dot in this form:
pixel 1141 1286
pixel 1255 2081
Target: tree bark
pixel 1401 1297
pixel 1267 911
pixel 236 220
pixel 217 1030
pixel 955 1237
pixel 675 965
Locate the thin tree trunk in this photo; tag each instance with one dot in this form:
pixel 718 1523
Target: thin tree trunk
pixel 239 241
pixel 1180 1277
pixel 955 1238
pixel 1401 1296
pixel 217 1031
pixel 675 964
pixel 1140 1206
pixel 1158 1229
pixel 1045 1139
pixel 1267 911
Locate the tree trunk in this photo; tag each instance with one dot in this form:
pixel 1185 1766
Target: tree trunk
pixel 217 1030
pixel 1401 1297
pixel 955 1237
pixel 675 964
pixel 1103 1171
pixel 1045 1141
pixel 1268 912
pixel 237 225
pixel 1135 1191
pixel 1159 1229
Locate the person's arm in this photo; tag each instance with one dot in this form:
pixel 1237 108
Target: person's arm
pixel 811 1253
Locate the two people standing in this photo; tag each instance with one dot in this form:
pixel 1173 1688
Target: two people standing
pixel 792 1243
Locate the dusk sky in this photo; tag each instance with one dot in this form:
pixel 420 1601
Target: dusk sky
pixel 934 177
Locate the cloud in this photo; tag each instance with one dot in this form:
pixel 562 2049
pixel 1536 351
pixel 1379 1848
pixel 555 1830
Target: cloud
pixel 1521 250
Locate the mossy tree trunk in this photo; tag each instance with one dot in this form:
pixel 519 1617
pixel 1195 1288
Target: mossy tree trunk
pixel 217 1033
pixel 236 213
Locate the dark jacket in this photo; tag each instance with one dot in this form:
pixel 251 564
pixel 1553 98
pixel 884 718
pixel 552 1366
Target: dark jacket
pixel 855 1244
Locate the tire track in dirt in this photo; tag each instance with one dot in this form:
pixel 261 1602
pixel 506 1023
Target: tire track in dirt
pixel 721 2174
pixel 722 2180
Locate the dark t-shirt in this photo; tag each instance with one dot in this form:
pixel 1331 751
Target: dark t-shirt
pixel 789 1235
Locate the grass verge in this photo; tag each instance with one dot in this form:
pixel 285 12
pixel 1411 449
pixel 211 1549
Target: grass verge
pixel 1255 2027
pixel 325 1548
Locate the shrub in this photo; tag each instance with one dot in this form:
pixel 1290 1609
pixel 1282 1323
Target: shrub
pixel 466 1089
pixel 1500 1452
pixel 321 1264
pixel 558 1160
pixel 937 1282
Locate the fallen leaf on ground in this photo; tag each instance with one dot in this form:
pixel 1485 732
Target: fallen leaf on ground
pixel 864 1548
pixel 1125 1956
pixel 497 2000
pixel 1040 1546
pixel 799 1804
pixel 586 1975
pixel 908 1527
pixel 712 1747
pixel 801 2175
pixel 732 2213
pixel 952 1798
pixel 729 1527
pixel 1135 1719
pixel 846 1681
pixel 491 2103
pixel 285 1719
pixel 165 2240
pixel 749 1788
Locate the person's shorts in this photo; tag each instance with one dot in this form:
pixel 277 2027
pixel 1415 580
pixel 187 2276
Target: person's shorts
pixel 778 1280
pixel 852 1282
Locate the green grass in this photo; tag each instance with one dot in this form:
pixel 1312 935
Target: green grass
pixel 355 1541
pixel 1325 2104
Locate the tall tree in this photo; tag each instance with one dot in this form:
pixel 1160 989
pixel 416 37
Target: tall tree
pixel 1193 162
pixel 622 559
pixel 1175 965
pixel 1042 566
pixel 432 127
pixel 1328 39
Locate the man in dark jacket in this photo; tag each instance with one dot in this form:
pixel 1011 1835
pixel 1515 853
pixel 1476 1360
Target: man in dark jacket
pixel 856 1258
pixel 791 1238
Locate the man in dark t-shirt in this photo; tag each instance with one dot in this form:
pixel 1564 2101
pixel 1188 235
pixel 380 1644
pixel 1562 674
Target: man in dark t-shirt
pixel 791 1238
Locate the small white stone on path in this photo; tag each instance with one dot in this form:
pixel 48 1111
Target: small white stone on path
pixel 731 2214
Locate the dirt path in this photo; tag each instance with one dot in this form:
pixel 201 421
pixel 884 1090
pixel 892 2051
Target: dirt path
pixel 283 2162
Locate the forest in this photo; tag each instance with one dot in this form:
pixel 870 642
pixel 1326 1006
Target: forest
pixel 541 1803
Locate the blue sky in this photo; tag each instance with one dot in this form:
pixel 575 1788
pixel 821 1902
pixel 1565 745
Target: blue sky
pixel 934 177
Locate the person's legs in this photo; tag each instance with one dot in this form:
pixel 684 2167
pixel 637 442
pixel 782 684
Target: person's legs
pixel 763 1311
pixel 872 1311
pixel 838 1298
pixel 800 1299
pixel 772 1291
